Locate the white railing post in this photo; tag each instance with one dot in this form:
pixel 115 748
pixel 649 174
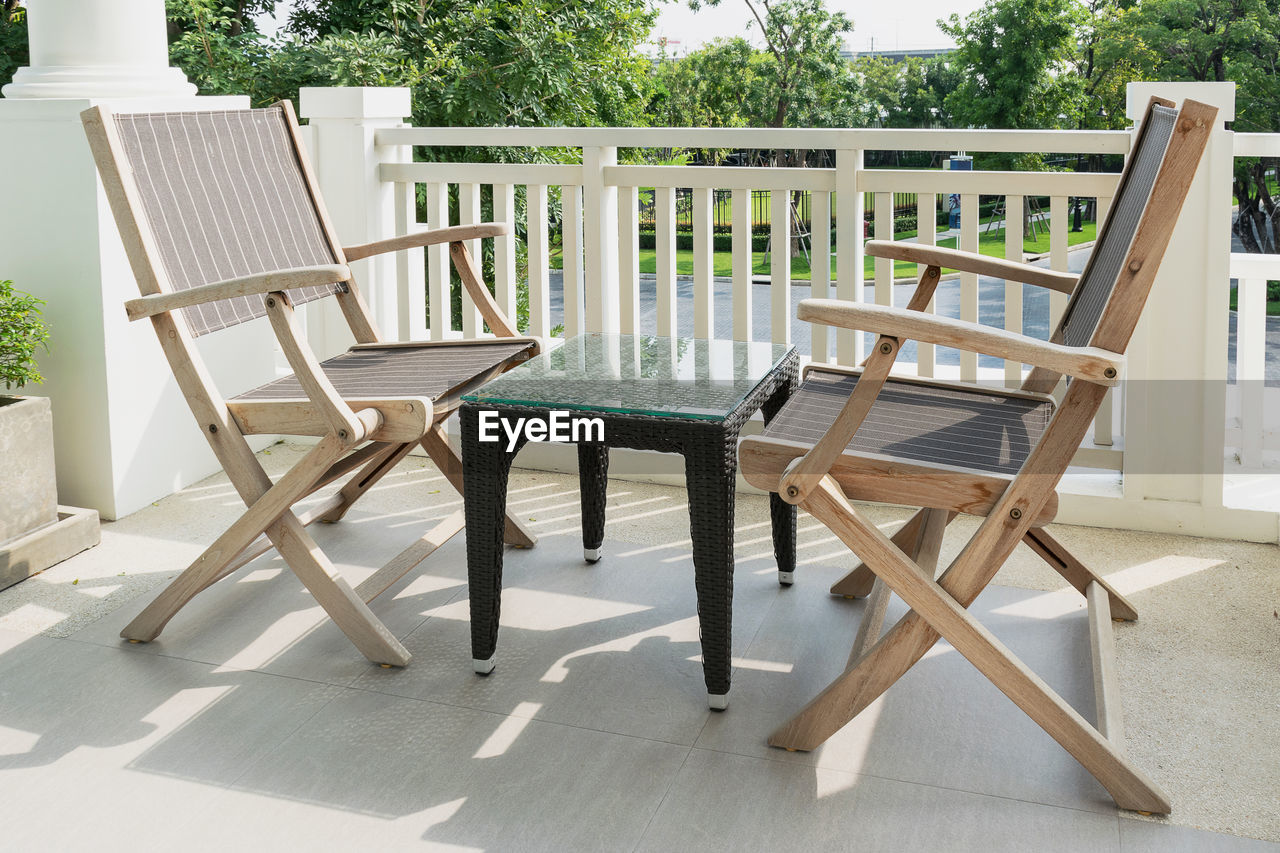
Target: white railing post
pixel 344 122
pixel 849 256
pixel 629 259
pixel 600 226
pixel 1251 343
pixel 703 264
pixel 1175 397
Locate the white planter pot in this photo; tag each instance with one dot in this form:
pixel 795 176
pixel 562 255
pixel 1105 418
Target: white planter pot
pixel 28 491
pixel 35 533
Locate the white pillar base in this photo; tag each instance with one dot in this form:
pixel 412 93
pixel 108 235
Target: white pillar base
pixel 100 81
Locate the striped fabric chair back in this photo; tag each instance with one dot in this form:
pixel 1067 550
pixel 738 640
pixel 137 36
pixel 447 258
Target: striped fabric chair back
pixel 1101 272
pixel 224 195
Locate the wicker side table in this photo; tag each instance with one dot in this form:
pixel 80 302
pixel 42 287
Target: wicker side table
pixel 709 446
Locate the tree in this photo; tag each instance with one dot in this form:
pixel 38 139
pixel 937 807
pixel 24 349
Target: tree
pixel 710 87
pixel 217 45
pixel 1010 54
pixel 1218 40
pixel 489 62
pixel 804 82
pixel 13 39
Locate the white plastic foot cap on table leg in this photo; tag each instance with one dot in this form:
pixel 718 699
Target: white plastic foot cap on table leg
pixel 591 555
pixel 482 667
pixel 718 701
pixel 786 578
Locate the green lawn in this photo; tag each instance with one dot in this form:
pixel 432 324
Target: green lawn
pixel 1273 299
pixel 988 244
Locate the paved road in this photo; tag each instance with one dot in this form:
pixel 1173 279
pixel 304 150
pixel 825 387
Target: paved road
pixel 1035 312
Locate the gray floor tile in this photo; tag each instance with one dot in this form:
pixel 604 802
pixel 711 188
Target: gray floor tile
pixel 730 802
pixel 376 772
pixel 610 646
pixel 943 723
pixel 1146 836
pixel 106 745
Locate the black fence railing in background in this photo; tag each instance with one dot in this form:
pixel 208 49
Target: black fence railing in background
pixel 904 204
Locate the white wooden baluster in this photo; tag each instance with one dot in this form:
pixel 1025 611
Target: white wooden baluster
pixel 629 259
pixel 926 235
pixel 411 285
pixel 1013 210
pixel 743 316
pixel 504 250
pixel 849 254
pixel 703 265
pixel 884 231
pixel 968 280
pixel 1059 225
pixel 820 266
pixel 1251 341
pixel 571 242
pixel 438 291
pixel 1103 422
pixel 539 255
pixel 469 214
pixel 780 266
pixel 664 199
pixel 1058 238
pixel 600 240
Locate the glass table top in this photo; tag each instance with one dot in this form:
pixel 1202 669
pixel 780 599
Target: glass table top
pixel 638 374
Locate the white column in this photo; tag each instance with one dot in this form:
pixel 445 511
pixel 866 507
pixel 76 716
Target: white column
pixel 96 49
pixel 123 434
pixel 343 126
pixel 600 226
pixel 1175 406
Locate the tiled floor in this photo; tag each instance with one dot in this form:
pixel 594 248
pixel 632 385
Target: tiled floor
pixel 252 723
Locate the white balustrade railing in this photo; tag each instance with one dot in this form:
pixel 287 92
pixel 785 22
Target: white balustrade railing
pixel 600 224
pixel 1165 437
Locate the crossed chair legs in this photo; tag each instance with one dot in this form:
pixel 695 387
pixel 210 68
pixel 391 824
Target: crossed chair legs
pixel 906 566
pixel 271 522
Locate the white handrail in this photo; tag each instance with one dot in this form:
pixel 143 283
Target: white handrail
pixel 870 139
pixel 1257 145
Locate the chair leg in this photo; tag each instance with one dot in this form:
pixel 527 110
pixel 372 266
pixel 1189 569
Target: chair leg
pixel 352 615
pixel 1128 785
pixel 1075 572
pixel 442 453
pixel 366 479
pixel 858 583
pixel 924 551
pixel 148 624
pixel 271 514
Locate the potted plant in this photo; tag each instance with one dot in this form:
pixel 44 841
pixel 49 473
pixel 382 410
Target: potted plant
pixel 35 532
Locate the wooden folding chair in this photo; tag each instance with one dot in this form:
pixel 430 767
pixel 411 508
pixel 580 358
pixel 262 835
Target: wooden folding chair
pixel 949 448
pixel 223 223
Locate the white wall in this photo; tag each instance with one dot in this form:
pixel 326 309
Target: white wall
pixel 123 434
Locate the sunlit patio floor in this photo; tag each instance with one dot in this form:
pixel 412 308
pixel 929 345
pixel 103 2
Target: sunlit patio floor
pixel 252 723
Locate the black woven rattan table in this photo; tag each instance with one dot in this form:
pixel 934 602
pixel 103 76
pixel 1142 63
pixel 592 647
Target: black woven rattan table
pixel 668 394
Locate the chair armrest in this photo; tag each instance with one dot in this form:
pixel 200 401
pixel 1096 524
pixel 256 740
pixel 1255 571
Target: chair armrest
pixel 286 279
pixel 1091 364
pixel 969 262
pixel 430 237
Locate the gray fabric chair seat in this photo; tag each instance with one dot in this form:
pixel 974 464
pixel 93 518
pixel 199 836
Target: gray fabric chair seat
pixel 377 372
pixel 979 429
